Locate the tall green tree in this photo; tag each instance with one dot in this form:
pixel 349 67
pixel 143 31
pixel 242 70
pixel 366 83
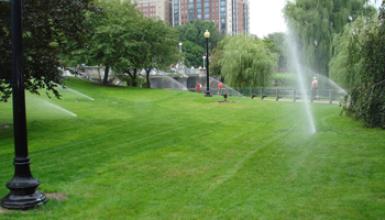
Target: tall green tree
pixel 194 44
pixel 359 65
pixel 125 41
pixel 368 98
pixel 116 38
pixel 316 22
pixel 346 63
pixel 245 62
pixel 159 50
pixel 276 44
pixel 49 29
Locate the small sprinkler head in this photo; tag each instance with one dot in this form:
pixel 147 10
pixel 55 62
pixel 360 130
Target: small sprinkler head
pixel 225 97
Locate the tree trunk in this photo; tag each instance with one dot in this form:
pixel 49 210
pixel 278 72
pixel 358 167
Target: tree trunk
pixel 148 82
pixel 106 72
pixel 100 75
pixel 134 82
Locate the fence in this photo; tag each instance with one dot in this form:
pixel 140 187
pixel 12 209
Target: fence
pixel 277 94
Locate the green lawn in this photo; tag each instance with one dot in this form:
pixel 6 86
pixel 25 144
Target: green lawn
pixel 160 154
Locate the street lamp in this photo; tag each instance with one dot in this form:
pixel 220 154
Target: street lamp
pixel 23 193
pixel 207 36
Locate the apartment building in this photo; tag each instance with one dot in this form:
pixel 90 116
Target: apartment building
pixel 230 16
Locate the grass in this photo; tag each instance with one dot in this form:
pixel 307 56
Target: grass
pixel 159 154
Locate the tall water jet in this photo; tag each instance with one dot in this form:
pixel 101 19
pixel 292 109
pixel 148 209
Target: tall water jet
pixel 300 74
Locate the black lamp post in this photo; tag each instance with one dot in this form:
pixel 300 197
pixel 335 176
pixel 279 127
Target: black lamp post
pixel 207 36
pixel 23 193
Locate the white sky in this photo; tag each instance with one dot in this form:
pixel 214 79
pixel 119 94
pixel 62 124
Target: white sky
pixel 266 16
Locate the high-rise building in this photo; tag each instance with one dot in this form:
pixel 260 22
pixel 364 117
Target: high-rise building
pixel 230 16
pixel 158 9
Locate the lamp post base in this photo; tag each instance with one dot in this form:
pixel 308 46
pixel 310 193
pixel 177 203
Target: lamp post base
pixel 23 202
pixel 207 94
pixel 23 194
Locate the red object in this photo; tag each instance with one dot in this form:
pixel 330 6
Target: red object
pixel 220 85
pixel 198 87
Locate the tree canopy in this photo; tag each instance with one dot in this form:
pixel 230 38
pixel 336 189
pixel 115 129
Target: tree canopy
pixel 49 30
pixel 315 23
pixel 127 42
pixel 276 43
pixel 244 61
pixel 194 44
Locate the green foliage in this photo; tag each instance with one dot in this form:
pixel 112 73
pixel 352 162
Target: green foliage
pixel 368 99
pixel 114 40
pixel 346 64
pixel 127 42
pixel 316 22
pixel 276 43
pixel 284 79
pixel 194 44
pixel 360 66
pixel 49 29
pixel 244 61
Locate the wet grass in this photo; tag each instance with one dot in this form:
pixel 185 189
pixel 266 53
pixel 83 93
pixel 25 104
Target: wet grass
pixel 158 154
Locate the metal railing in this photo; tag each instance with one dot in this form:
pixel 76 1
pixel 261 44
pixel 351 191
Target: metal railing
pixel 277 94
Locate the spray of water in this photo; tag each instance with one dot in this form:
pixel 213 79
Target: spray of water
pixel 166 82
pixel 300 73
pixel 50 105
pixel 76 92
pixel 59 108
pixel 231 91
pixel 334 85
pixel 329 81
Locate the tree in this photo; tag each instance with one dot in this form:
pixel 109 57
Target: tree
pixel 116 38
pixel 194 44
pixel 316 22
pixel 346 64
pixel 49 29
pixel 360 66
pixel 367 98
pixel 245 62
pixel 159 49
pixel 126 42
pixel 276 43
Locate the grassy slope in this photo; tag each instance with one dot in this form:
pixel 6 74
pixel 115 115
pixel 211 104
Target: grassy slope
pixel 150 154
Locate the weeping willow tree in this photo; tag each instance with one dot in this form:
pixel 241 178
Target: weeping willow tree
pixel 346 64
pixel 245 62
pixel 317 22
pixel 368 98
pixel 360 66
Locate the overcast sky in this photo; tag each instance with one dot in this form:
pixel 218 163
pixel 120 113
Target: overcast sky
pixel 266 16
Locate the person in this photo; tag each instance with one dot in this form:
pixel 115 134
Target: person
pixel 220 88
pixel 198 87
pixel 314 88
